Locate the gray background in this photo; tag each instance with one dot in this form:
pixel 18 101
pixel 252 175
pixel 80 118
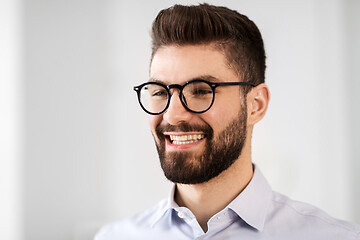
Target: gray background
pixel 76 151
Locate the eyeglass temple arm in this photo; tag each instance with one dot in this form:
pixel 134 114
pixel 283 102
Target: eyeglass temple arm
pixel 233 83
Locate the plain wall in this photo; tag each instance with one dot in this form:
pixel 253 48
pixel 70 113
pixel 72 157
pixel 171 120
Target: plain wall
pixel 65 82
pixel 353 86
pixel 11 115
pixel 89 157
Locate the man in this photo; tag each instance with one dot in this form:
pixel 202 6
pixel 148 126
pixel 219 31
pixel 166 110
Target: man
pixel 206 92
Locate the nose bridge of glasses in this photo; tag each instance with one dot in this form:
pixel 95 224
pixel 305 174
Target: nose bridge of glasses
pixel 174 86
pixel 180 88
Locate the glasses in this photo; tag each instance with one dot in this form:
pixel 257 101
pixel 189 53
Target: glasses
pixel 196 96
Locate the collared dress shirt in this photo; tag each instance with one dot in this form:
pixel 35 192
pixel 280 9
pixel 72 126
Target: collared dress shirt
pixel 256 213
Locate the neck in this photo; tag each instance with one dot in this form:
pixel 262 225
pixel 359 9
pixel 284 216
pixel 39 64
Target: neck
pixel 206 199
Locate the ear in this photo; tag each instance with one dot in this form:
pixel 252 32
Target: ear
pixel 258 100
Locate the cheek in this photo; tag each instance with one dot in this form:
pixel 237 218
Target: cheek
pixel 221 114
pixel 154 121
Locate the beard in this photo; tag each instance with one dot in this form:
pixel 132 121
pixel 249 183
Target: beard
pixel 219 153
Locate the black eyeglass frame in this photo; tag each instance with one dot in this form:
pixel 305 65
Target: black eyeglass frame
pixel 213 85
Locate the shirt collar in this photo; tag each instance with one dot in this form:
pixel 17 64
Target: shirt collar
pixel 251 204
pixel 166 207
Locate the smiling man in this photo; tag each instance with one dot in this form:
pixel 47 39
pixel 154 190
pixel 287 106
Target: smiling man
pixel 205 94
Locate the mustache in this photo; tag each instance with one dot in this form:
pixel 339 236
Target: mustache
pixel 184 127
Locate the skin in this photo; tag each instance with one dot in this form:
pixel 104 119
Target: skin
pixel 179 64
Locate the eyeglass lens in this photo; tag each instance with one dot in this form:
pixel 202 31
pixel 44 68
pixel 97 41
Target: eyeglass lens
pixel 197 96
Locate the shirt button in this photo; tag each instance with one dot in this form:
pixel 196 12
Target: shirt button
pixel 181 214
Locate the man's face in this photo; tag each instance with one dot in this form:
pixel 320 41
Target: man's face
pixel 194 148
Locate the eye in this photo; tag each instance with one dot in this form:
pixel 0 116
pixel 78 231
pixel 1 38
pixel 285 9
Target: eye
pixel 155 91
pixel 200 92
pixel 158 93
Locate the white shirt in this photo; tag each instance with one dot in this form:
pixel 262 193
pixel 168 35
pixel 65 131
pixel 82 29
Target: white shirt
pixel 256 213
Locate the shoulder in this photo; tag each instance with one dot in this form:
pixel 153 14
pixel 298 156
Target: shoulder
pixel 137 225
pixel 307 220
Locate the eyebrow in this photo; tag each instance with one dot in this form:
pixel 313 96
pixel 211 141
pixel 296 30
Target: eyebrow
pixel 208 78
pixel 156 80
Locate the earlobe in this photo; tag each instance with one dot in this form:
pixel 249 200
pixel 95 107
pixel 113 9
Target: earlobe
pixel 258 99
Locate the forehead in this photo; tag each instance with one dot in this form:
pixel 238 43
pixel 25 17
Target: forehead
pixel 179 64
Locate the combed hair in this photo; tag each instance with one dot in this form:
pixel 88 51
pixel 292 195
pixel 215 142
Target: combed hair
pixel 228 30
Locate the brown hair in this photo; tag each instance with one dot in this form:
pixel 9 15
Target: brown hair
pixel 232 32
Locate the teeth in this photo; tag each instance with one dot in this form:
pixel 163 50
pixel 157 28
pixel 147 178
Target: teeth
pixel 185 139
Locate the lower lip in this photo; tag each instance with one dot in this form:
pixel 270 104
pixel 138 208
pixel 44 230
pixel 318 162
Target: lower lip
pixel 170 146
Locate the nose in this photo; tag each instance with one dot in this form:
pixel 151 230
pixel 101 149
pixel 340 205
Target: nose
pixel 176 112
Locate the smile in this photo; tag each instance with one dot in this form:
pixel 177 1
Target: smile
pixel 185 139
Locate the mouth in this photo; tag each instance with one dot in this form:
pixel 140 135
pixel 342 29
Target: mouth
pixel 176 139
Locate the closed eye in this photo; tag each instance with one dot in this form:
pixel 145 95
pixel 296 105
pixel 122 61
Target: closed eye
pixel 202 92
pixel 158 93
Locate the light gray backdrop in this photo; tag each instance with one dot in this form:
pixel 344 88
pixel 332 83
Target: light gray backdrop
pixel 87 154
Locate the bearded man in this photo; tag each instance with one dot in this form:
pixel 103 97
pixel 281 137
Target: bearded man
pixel 205 93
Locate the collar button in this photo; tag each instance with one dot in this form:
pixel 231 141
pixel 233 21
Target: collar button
pixel 181 214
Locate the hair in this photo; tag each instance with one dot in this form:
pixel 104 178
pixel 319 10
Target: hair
pixel 233 33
